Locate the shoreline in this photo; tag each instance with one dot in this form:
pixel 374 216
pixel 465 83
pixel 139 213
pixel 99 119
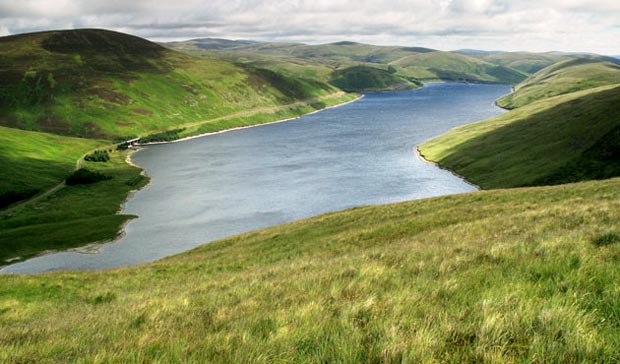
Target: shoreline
pixel 252 126
pixel 94 247
pixel 421 157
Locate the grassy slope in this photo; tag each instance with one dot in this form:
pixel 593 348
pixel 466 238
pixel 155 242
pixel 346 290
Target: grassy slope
pixel 529 145
pixel 96 83
pixel 515 276
pixel 525 62
pixel 562 78
pixel 73 215
pixel 33 161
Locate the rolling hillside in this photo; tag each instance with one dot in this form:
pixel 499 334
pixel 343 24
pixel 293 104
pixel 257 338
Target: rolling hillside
pixel 410 63
pixel 525 62
pixel 102 84
pixel 529 145
pixel 562 78
pixel 32 162
pixel 524 275
pixel 564 129
pixel 448 66
pixel 511 276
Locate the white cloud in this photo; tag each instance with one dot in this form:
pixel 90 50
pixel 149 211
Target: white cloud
pixel 538 25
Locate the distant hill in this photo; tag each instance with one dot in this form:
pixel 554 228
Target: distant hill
pixel 365 78
pixel 212 43
pixel 103 84
pixel 525 62
pixel 411 63
pixel 448 66
pixel 476 52
pixel 561 78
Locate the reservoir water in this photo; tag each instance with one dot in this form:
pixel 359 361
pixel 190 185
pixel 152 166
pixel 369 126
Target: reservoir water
pixel 216 186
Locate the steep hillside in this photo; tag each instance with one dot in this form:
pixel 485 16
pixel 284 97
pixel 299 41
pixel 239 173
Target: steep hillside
pixel 554 140
pixel 562 78
pixel 517 276
pixel 97 83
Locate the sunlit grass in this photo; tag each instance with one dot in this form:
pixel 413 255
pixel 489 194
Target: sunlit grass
pixel 502 276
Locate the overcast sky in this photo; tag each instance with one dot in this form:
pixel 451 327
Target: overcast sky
pixel 534 25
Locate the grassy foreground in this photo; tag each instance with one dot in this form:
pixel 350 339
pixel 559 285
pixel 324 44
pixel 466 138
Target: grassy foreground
pixel 518 276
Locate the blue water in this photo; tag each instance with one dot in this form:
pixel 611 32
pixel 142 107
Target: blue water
pixel 220 185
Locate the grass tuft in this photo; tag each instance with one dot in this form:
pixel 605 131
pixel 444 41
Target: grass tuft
pixel 606 239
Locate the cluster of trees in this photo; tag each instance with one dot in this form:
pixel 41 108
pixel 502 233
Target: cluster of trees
pixel 98 156
pixel 165 136
pixel 85 176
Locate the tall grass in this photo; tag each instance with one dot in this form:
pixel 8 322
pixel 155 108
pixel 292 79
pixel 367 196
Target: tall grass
pixel 497 277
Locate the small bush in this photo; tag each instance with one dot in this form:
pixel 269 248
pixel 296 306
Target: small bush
pixel 606 239
pixel 85 176
pixel 98 156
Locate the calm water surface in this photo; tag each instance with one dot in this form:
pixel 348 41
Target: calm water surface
pixel 358 154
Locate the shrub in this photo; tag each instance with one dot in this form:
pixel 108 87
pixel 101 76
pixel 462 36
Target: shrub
pixel 85 176
pixel 98 156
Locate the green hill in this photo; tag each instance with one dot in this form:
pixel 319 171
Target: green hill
pixel 335 52
pixel 102 84
pixel 535 144
pixel 525 62
pixel 364 78
pixel 410 62
pixel 518 276
pixel 562 78
pixel 448 66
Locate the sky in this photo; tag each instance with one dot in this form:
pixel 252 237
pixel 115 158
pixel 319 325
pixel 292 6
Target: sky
pixel 527 25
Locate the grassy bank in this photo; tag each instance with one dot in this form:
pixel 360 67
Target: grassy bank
pixel 32 162
pixel 519 276
pixel 555 140
pixel 72 216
